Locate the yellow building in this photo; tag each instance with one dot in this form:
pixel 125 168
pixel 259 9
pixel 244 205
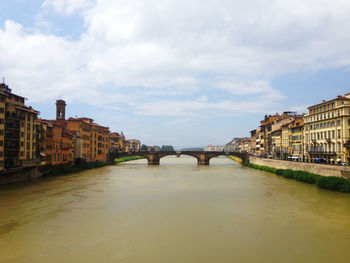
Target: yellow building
pixel 296 130
pixel 286 147
pixel 17 131
pixel 117 142
pixel 326 130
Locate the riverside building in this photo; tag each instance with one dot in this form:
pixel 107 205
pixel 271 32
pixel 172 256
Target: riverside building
pixel 326 130
pixel 17 132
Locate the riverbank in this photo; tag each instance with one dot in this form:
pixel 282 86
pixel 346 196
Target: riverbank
pixel 127 158
pixel 314 168
pixel 332 183
pixel 78 166
pixel 235 158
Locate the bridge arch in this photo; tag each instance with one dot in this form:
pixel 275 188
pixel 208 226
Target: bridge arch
pixel 177 154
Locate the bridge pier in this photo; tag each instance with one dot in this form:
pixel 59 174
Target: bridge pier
pixel 153 159
pixel 203 162
pixel 153 162
pixel 203 159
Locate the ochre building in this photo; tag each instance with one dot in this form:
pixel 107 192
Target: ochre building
pixel 17 132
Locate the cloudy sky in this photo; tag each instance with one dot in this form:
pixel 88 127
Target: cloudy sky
pixel 181 72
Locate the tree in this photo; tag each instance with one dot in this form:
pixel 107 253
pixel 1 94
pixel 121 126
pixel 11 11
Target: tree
pixel 144 148
pixel 167 148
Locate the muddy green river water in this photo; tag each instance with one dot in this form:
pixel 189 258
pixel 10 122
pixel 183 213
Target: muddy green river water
pixel 175 212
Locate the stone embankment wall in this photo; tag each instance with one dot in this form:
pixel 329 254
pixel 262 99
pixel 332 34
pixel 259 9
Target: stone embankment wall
pixel 321 169
pixel 19 176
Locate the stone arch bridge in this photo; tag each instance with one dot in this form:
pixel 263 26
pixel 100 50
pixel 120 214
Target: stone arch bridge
pixel 202 157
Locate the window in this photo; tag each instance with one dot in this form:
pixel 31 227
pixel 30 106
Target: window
pixel 339 147
pixel 22 154
pixel 338 134
pixel 333 134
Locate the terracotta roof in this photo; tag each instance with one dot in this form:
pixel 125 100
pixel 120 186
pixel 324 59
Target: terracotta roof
pixel 27 109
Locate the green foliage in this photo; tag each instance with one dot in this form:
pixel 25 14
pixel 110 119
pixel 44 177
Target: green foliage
pixel 332 183
pixel 128 158
pixel 144 148
pixel 78 166
pixel 167 148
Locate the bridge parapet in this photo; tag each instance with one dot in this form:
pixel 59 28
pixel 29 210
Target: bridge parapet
pixel 203 158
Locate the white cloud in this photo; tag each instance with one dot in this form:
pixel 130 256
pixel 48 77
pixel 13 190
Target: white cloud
pixel 177 48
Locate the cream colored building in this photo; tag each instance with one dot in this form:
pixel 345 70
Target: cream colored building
pixel 326 130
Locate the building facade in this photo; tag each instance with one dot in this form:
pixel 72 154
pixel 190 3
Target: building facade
pixel 326 130
pixel 17 131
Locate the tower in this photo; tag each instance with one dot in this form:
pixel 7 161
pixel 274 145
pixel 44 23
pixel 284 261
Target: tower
pixel 60 110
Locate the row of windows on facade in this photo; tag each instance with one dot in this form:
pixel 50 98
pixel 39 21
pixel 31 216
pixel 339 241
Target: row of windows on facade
pixel 22 134
pixel 21 115
pixel 22 144
pixel 323 135
pixel 18 99
pixel 323 148
pixel 323 116
pixel 61 145
pixel 322 108
pixel 64 156
pixel 324 125
pixel 22 154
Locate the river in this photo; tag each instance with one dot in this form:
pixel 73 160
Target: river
pixel 175 212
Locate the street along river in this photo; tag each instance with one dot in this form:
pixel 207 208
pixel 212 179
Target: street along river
pixel 175 212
